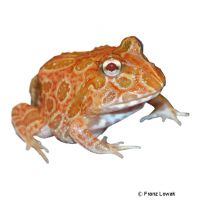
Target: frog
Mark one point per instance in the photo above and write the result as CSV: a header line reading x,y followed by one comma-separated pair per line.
x,y
77,95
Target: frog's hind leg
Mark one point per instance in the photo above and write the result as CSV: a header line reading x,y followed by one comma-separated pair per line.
x,y
28,123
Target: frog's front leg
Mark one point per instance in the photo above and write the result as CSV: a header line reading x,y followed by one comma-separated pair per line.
x,y
163,109
81,134
28,122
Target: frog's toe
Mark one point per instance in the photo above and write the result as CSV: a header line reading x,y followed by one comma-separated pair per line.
x,y
184,114
176,120
37,145
178,113
148,117
105,139
114,148
43,147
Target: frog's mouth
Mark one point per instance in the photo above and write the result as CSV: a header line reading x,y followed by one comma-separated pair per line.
x,y
129,104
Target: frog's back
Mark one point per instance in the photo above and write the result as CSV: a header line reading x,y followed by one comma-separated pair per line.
x,y
60,79
71,64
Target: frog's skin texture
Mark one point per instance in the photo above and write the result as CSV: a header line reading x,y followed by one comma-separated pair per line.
x,y
76,96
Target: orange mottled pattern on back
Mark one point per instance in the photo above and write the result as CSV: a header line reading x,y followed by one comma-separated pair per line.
x,y
67,80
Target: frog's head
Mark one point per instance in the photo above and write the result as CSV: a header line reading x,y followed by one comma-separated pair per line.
x,y
126,77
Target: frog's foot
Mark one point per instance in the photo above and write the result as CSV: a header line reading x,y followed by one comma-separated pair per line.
x,y
80,134
116,147
37,145
163,109
27,122
165,112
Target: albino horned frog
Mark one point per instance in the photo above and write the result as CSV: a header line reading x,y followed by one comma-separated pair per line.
x,y
77,96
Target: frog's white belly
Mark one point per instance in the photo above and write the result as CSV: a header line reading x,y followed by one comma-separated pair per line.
x,y
101,122
97,124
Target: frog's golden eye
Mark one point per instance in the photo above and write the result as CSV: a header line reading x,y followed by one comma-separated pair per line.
x,y
111,67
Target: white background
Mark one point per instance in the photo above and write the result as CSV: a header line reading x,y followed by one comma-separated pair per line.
x,y
31,32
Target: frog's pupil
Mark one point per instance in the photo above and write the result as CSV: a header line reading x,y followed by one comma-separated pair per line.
x,y
111,67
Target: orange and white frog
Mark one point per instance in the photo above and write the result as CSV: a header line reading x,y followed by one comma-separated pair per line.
x,y
77,96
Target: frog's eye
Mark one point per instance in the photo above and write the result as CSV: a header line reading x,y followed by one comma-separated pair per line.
x,y
111,67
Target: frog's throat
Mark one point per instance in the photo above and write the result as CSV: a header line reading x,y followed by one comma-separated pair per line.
x,y
128,104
